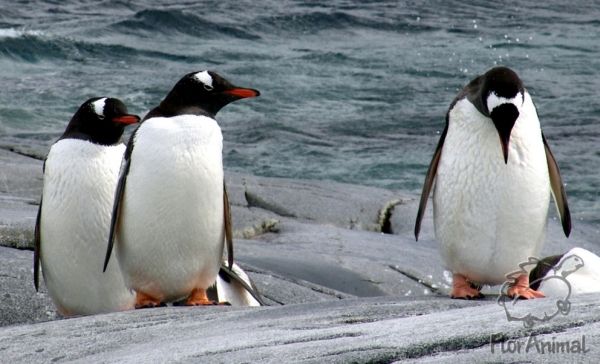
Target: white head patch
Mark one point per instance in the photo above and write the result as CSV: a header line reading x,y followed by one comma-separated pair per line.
x,y
493,101
98,106
204,77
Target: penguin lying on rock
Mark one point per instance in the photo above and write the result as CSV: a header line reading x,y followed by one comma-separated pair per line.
x,y
579,267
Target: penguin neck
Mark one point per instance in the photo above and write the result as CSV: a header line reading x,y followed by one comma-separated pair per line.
x,y
166,109
105,137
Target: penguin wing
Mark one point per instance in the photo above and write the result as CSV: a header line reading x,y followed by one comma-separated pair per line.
x,y
227,226
429,178
540,271
558,190
119,192
37,244
229,273
37,241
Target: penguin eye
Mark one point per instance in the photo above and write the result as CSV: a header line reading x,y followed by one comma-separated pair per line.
x,y
208,87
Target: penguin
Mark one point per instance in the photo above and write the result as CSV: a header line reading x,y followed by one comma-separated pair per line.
x,y
80,177
580,267
233,285
493,173
171,211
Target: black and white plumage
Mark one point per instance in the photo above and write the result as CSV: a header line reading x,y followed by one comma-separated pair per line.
x,y
80,177
234,286
171,212
493,174
580,267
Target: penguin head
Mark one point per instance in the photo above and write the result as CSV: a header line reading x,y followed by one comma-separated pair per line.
x,y
100,120
503,96
571,264
203,92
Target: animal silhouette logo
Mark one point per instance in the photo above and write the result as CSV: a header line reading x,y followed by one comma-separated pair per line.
x,y
529,312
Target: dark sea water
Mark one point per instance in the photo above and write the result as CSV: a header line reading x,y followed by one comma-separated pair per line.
x,y
352,91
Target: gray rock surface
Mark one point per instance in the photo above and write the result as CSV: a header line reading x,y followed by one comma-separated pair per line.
x,y
339,290
381,330
20,187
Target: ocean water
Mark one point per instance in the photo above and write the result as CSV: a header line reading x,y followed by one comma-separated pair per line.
x,y
352,91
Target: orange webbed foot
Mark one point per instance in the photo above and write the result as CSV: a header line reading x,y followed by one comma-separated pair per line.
x,y
143,300
520,289
198,297
463,289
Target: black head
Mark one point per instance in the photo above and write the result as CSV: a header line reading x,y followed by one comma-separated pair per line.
x,y
100,120
200,93
502,96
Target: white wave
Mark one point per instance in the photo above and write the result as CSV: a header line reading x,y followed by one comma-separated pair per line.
x,y
16,33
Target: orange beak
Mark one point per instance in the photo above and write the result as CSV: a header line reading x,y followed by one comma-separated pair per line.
x,y
242,93
126,119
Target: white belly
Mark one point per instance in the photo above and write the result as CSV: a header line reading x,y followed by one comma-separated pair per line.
x,y
490,216
170,237
79,186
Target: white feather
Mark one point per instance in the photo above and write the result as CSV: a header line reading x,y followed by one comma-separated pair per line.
x,y
98,106
204,77
493,101
490,216
79,185
170,237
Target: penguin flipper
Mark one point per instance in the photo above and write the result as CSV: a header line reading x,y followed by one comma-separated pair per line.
x,y
540,271
37,244
228,274
37,240
558,190
119,192
429,178
228,227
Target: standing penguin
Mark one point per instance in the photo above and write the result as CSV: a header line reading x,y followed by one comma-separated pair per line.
x,y
171,212
493,174
80,177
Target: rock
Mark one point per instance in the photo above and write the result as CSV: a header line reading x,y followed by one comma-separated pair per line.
x,y
19,303
355,262
343,205
383,329
339,290
20,188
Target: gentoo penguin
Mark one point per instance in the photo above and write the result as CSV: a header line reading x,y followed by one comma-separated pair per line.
x,y
583,276
80,177
493,174
234,286
171,212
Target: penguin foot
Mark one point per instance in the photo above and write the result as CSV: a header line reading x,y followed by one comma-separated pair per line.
x,y
143,300
463,289
520,289
198,297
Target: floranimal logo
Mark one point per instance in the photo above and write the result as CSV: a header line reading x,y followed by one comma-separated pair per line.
x,y
517,310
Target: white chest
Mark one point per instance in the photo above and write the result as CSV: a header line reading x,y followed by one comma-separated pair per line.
x,y
171,231
79,185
